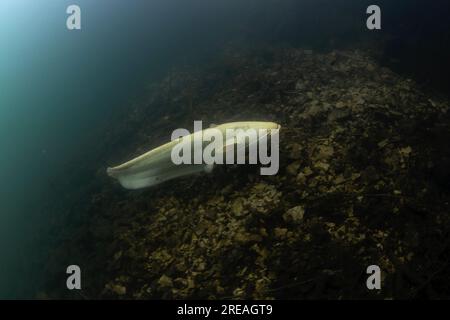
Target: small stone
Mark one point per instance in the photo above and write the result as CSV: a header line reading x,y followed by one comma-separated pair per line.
x,y
307,171
165,281
263,232
280,233
296,151
294,214
339,179
338,114
237,207
245,237
191,283
322,165
117,255
355,176
405,151
118,289
292,169
201,266
340,105
325,152
301,178
383,143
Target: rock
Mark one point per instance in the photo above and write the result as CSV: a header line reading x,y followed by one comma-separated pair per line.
x,y
262,198
302,176
406,151
324,152
238,207
307,171
292,169
294,214
370,67
117,255
119,289
296,151
280,233
383,143
340,105
338,114
299,85
165,282
322,166
339,179
245,237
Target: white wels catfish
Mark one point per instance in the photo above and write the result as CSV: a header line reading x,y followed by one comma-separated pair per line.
x,y
157,165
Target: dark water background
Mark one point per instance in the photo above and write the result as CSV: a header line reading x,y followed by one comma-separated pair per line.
x,y
59,88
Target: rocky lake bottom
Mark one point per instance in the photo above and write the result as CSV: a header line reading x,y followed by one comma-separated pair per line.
x,y
363,180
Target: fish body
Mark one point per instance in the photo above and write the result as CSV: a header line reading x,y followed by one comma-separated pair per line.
x,y
156,166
